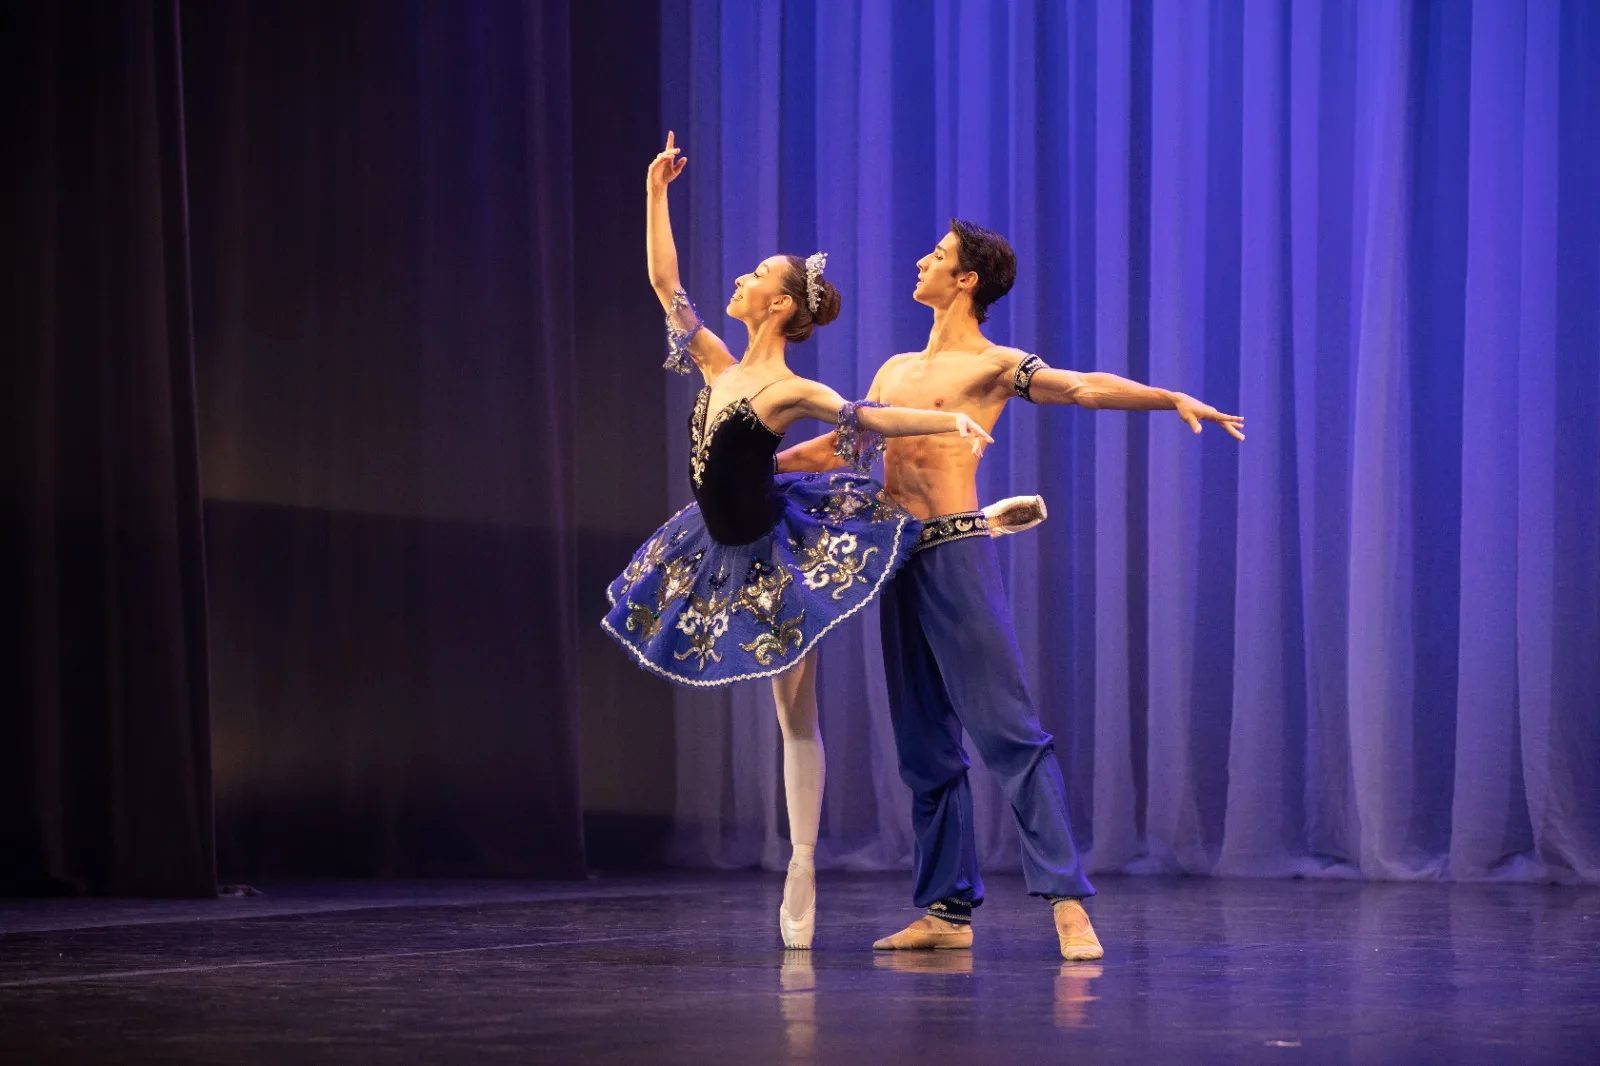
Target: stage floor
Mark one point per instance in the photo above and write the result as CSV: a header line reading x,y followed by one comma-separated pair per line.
x,y
688,969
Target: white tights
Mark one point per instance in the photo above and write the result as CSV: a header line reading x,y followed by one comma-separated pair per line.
x,y
804,771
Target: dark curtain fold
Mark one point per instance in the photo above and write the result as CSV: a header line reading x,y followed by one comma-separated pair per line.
x,y
105,771
377,625
628,780
382,240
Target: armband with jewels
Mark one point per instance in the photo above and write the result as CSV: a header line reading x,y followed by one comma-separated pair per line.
x,y
1022,380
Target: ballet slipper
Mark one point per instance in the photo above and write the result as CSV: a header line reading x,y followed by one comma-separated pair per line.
x,y
1073,929
928,933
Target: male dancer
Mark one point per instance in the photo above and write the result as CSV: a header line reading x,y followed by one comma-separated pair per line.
x,y
950,654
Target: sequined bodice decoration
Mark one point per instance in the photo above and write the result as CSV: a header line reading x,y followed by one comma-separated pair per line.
x,y
698,437
730,469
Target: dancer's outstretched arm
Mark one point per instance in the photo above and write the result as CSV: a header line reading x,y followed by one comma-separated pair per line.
x,y
687,337
1031,379
803,398
821,454
911,422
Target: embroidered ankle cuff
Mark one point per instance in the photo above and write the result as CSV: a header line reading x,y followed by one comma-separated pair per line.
x,y
951,910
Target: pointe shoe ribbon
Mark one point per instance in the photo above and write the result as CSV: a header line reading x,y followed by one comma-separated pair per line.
x,y
797,931
1076,933
927,933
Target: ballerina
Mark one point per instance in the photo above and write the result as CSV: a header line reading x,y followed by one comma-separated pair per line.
x,y
743,583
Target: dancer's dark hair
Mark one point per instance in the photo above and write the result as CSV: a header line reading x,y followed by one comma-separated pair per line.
x,y
989,255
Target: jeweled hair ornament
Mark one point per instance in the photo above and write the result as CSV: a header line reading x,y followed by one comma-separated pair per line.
x,y
815,265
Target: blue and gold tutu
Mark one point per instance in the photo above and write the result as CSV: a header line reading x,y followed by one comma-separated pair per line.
x,y
704,613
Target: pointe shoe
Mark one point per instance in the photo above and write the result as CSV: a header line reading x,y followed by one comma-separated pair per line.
x,y
1073,929
796,932
928,933
1015,514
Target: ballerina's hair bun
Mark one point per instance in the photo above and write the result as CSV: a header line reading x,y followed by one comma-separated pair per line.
x,y
828,300
816,299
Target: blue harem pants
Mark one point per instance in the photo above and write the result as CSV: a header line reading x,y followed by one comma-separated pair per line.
x,y
951,662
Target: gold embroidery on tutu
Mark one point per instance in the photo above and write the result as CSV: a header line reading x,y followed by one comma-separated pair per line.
x,y
852,501
705,622
646,561
677,579
762,597
833,560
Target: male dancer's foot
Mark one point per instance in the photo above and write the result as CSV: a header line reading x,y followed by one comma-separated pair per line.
x,y
1073,929
926,933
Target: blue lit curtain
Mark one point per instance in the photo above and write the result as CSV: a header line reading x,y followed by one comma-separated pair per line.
x,y
1366,642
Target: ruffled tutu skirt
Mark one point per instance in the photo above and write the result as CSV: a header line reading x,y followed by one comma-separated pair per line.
x,y
708,614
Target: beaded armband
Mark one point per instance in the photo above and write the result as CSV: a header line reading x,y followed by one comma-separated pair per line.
x,y
1022,380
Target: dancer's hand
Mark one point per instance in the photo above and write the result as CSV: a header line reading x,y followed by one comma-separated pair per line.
x,y
1194,412
970,429
1015,514
665,167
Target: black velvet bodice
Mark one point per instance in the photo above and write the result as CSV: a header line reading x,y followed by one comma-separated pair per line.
x,y
730,469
